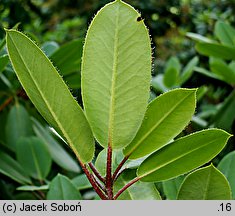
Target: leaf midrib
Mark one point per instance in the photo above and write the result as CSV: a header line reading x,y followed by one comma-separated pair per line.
x,y
150,131
44,98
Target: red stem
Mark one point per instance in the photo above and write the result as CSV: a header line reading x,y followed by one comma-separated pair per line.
x,y
116,173
96,172
109,180
125,187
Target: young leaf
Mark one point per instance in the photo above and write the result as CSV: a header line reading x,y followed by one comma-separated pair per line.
x,y
18,125
12,169
183,155
33,155
227,167
165,118
171,187
138,191
206,183
61,188
225,33
216,50
116,73
49,94
57,152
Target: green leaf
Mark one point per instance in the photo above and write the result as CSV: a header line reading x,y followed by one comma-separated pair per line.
x,y
68,57
188,70
220,68
208,73
18,125
183,155
61,188
199,38
12,169
3,62
171,187
216,50
50,95
81,182
165,118
33,155
32,188
116,73
57,152
227,167
73,80
225,33
138,191
172,71
206,183
50,47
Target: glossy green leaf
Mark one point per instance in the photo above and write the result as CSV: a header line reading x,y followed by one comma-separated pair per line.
x,y
165,118
81,182
61,188
116,73
138,191
171,187
172,71
49,94
188,70
227,167
207,183
12,169
183,155
3,62
220,68
68,57
33,155
18,125
216,50
57,152
225,33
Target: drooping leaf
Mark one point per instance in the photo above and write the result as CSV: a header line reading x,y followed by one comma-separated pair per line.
x,y
49,94
171,187
172,71
225,33
81,182
188,70
227,167
18,125
183,155
61,188
216,50
165,118
207,183
57,152
138,191
12,169
68,57
33,155
220,68
116,72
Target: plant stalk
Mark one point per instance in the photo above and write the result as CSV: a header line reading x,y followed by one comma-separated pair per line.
x,y
109,179
96,172
116,173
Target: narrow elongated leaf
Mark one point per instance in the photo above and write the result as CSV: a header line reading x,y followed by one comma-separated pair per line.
x,y
57,152
199,38
227,167
68,57
225,33
32,188
171,187
208,73
61,188
216,50
188,70
12,169
49,94
138,191
34,157
219,67
207,183
116,72
183,155
18,125
165,118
